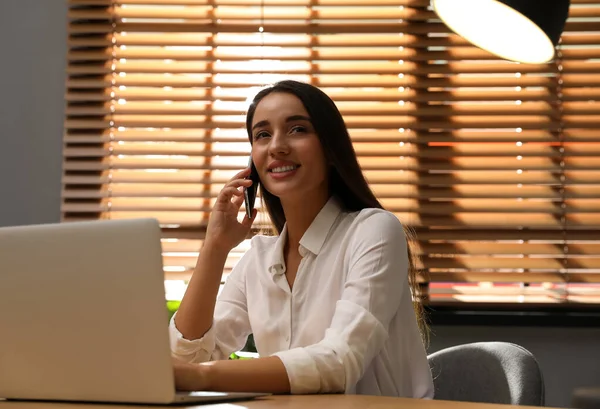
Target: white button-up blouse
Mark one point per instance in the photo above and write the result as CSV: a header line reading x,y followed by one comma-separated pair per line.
x,y
347,325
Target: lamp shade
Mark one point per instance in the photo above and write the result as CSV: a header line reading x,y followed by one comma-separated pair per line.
x,y
517,30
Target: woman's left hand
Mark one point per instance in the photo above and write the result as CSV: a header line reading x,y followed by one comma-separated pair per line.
x,y
189,377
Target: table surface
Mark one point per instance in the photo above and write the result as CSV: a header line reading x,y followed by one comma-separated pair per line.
x,y
285,402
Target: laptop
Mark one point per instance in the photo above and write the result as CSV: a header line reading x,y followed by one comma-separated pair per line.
x,y
83,315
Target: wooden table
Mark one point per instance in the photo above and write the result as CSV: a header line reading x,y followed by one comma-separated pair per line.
x,y
586,398
286,402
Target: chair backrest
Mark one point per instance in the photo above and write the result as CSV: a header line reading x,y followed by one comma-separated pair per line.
x,y
489,372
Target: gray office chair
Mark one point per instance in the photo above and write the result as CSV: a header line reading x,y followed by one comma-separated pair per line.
x,y
488,372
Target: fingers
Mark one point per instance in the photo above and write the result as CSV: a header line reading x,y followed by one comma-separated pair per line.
x,y
238,200
231,189
241,175
231,192
239,183
248,222
227,193
240,179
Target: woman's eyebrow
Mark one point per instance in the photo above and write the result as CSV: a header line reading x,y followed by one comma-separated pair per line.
x,y
297,118
291,118
260,124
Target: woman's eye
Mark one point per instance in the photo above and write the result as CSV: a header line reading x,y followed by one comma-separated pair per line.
x,y
260,135
298,128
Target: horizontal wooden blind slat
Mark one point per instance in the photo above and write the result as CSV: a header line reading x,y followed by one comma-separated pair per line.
x,y
293,40
351,108
358,135
383,191
339,3
352,84
193,203
367,164
363,149
315,28
232,53
374,178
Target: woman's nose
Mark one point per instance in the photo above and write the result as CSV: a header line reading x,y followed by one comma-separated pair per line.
x,y
279,144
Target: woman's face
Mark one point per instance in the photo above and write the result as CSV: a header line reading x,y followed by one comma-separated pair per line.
x,y
286,150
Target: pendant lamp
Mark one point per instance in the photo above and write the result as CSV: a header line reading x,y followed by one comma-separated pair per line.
x,y
525,31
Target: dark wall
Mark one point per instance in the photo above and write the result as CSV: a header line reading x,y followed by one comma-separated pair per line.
x,y
32,83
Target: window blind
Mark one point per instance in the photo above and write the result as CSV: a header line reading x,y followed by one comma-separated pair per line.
x,y
495,165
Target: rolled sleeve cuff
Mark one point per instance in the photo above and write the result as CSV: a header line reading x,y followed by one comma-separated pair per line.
x,y
197,350
302,371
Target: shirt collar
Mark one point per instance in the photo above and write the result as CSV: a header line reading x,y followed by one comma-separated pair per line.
x,y
314,237
312,240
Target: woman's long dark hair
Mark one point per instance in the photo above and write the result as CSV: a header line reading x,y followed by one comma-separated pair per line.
x,y
346,180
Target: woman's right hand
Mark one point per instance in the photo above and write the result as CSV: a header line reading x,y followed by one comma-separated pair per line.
x,y
224,231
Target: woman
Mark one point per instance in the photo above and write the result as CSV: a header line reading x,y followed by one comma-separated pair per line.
x,y
329,299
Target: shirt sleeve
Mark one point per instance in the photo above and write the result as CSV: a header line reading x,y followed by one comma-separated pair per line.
x,y
230,328
375,285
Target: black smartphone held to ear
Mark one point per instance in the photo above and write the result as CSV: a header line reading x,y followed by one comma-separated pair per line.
x,y
250,193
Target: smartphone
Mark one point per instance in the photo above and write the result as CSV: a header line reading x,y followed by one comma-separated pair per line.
x,y
250,193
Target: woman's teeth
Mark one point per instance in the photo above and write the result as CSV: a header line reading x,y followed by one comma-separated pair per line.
x,y
282,169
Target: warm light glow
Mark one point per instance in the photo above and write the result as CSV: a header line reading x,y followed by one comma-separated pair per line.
x,y
157,130
174,268
496,28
